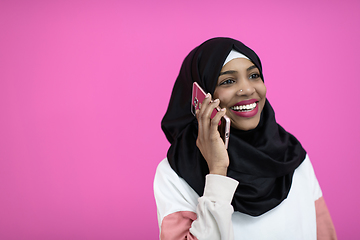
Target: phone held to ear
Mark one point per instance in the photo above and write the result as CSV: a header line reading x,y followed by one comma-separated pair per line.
x,y
198,96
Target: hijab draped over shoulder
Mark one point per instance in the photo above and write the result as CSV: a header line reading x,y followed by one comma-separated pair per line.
x,y
262,160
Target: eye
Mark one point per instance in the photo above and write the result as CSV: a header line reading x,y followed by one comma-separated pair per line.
x,y
227,81
254,76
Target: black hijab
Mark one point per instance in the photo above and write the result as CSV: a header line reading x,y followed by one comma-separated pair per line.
x,y
263,159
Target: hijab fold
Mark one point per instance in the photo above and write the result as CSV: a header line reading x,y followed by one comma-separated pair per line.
x,y
262,160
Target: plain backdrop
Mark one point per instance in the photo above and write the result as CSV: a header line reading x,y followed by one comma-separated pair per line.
x,y
85,84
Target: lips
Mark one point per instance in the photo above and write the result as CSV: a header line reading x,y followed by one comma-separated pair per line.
x,y
246,108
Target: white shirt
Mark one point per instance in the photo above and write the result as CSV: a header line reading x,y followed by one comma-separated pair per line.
x,y
294,218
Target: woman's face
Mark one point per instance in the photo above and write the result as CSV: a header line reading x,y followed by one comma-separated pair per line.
x,y
242,92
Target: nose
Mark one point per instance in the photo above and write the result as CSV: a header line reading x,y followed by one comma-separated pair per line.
x,y
245,88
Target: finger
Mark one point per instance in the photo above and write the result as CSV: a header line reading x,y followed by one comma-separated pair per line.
x,y
197,111
203,118
208,111
206,122
205,103
200,118
201,132
215,121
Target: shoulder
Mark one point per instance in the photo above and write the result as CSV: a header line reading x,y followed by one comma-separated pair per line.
x,y
306,168
164,168
166,177
172,193
305,175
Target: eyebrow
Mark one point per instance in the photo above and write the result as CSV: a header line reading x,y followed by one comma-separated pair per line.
x,y
228,72
251,67
233,71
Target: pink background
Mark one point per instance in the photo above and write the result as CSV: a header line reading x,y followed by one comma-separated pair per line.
x,y
84,85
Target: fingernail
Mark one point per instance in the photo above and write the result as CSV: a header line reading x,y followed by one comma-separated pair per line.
x,y
223,109
207,95
216,100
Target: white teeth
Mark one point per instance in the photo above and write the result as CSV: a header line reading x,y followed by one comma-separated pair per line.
x,y
244,107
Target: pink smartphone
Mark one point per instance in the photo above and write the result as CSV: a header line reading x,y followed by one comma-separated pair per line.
x,y
198,96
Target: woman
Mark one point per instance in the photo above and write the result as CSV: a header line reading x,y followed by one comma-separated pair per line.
x,y
262,187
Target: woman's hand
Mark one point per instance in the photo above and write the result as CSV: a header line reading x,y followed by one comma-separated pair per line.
x,y
209,141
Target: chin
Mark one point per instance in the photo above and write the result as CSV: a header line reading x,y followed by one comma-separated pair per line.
x,y
247,125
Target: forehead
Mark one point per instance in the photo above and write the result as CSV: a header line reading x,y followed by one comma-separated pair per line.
x,y
237,64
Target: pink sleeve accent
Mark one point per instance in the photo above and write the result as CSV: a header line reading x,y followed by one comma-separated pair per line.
x,y
176,226
325,227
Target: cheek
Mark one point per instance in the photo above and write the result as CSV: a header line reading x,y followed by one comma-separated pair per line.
x,y
223,96
265,90
261,89
263,98
217,94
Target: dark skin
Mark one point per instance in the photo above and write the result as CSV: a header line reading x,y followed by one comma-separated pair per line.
x,y
239,80
209,141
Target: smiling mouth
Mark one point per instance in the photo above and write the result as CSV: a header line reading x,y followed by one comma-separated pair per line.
x,y
244,108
